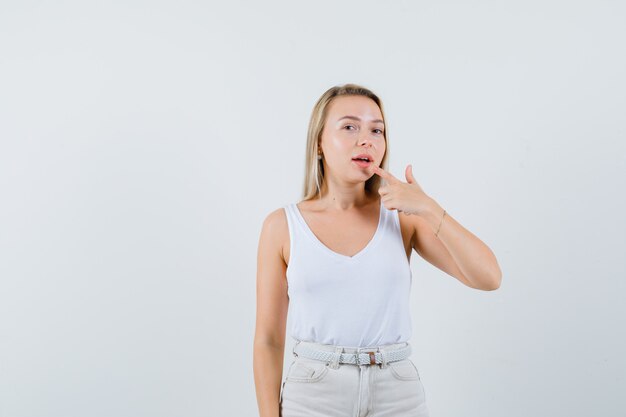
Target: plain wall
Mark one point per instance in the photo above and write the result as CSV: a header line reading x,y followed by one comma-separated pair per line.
x,y
142,144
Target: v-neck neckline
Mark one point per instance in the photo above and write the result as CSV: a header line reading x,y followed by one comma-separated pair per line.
x,y
319,243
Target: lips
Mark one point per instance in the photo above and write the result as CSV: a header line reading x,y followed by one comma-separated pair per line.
x,y
363,156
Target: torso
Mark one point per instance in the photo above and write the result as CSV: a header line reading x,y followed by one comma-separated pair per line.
x,y
348,233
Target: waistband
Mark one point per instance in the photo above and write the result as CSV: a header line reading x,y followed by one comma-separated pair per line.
x,y
335,354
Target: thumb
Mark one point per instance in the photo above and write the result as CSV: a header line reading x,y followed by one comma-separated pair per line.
x,y
409,174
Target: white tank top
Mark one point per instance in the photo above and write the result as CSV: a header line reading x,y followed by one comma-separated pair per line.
x,y
358,301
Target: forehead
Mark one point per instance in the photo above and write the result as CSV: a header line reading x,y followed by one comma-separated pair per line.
x,y
360,106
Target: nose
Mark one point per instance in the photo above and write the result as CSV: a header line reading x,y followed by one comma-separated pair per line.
x,y
365,140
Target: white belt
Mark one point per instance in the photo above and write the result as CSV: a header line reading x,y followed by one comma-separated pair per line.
x,y
361,358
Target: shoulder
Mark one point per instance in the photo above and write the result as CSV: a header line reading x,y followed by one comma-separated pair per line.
x,y
275,222
275,218
275,231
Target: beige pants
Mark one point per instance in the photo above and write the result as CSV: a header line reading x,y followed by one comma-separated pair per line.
x,y
314,388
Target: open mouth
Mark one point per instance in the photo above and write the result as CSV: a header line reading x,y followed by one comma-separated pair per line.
x,y
362,162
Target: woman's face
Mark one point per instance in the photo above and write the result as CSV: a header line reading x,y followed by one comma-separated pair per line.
x,y
353,126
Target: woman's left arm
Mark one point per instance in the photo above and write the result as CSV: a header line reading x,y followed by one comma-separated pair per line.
x,y
473,257
476,263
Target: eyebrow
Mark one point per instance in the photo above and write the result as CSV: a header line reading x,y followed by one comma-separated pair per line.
x,y
356,118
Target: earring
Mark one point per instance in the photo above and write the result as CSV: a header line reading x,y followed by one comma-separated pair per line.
x,y
319,156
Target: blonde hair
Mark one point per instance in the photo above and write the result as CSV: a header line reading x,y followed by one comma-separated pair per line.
x,y
314,179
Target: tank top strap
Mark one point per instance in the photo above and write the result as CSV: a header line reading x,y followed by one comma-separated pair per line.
x,y
295,228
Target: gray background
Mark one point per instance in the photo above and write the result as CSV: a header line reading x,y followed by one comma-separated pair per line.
x,y
143,143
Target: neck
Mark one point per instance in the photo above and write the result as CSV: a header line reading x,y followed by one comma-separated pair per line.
x,y
346,201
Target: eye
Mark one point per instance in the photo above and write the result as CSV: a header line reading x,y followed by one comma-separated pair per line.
x,y
348,126
379,131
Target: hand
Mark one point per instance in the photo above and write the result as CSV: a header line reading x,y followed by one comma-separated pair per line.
x,y
407,197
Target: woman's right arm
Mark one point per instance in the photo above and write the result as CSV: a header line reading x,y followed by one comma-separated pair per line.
x,y
271,314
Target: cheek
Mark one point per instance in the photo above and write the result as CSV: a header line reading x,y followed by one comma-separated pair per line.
x,y
342,148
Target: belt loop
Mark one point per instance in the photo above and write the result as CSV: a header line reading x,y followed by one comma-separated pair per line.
x,y
383,365
334,362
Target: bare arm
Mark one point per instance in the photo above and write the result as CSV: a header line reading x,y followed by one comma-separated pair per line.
x,y
456,250
271,315
453,248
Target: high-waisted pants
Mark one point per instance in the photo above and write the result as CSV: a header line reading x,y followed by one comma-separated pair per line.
x,y
316,388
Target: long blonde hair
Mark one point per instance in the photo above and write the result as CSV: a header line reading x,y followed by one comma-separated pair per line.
x,y
314,179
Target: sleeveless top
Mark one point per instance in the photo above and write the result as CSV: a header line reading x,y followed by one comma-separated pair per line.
x,y
351,301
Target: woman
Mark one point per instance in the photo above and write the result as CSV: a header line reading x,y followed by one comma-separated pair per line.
x,y
339,261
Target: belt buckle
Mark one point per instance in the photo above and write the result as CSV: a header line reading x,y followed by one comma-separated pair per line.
x,y
372,356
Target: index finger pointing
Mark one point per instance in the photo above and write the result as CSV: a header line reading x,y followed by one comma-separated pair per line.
x,y
384,174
